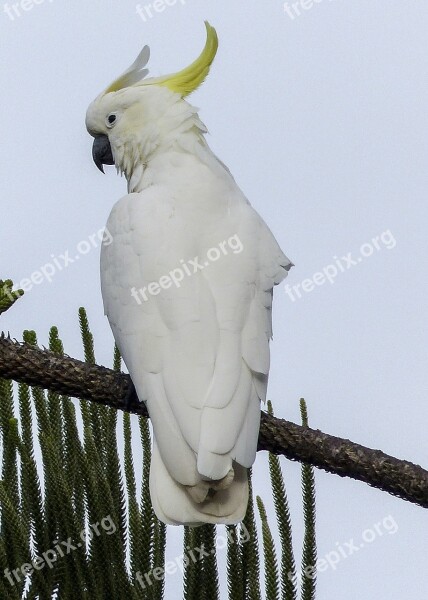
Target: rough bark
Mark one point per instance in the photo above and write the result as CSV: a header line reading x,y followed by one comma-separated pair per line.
x,y
71,377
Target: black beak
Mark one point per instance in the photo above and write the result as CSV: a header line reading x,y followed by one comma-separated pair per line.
x,y
101,152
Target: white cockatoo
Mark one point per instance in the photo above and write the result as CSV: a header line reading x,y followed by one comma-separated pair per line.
x,y
187,287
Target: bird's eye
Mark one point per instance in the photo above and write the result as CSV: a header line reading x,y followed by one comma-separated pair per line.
x,y
111,120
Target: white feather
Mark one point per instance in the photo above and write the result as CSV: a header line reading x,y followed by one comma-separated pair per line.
x,y
198,349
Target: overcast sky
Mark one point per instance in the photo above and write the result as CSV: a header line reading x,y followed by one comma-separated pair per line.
x,y
319,109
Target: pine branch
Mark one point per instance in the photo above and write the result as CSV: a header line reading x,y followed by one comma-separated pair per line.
x,y
190,587
309,557
28,364
250,549
271,563
282,510
8,296
210,570
234,563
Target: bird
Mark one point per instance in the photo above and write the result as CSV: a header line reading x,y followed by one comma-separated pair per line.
x,y
187,284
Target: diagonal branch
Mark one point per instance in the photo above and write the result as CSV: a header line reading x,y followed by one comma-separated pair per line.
x,y
71,377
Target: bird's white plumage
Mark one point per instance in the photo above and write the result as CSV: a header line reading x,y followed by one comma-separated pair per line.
x,y
197,349
198,353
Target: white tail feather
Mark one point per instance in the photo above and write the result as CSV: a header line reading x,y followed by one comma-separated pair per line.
x,y
176,504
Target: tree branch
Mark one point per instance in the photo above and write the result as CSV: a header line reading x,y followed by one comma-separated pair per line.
x,y
68,376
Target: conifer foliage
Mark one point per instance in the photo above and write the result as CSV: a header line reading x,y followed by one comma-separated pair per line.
x,y
74,523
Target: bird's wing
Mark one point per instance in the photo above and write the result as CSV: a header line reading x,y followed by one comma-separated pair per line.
x,y
195,334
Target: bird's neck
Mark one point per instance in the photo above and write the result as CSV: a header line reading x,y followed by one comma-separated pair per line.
x,y
182,160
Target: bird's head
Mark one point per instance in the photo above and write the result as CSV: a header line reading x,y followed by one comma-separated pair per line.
x,y
135,114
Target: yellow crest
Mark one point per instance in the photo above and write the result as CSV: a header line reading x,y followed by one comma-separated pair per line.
x,y
189,79
184,82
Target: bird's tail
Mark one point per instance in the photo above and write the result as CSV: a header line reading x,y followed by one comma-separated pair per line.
x,y
214,502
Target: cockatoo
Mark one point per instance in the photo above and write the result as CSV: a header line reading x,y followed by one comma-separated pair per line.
x,y
187,288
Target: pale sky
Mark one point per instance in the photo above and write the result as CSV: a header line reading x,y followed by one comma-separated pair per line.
x,y
320,112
